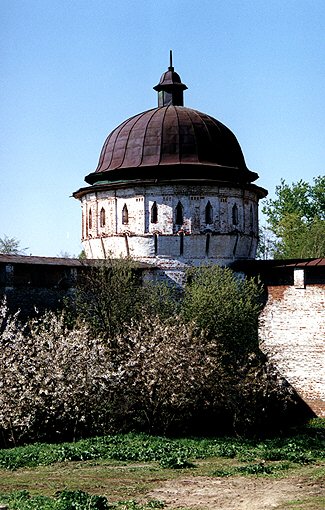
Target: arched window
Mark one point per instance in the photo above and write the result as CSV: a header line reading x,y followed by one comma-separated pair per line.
x,y
208,213
90,219
102,217
251,218
154,213
125,215
235,215
179,220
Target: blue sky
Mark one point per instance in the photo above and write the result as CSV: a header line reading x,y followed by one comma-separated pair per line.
x,y
72,70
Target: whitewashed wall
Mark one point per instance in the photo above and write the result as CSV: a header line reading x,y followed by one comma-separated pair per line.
x,y
292,331
193,242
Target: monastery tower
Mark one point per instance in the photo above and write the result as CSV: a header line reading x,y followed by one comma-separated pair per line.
x,y
171,189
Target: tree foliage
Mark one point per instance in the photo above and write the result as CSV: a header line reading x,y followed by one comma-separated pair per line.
x,y
107,296
224,306
11,246
111,295
297,218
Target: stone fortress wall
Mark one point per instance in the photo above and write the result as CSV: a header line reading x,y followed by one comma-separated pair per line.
x,y
292,331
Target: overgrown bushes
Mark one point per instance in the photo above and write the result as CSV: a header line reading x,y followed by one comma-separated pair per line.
x,y
129,357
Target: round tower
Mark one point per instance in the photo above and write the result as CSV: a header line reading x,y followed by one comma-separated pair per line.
x,y
171,189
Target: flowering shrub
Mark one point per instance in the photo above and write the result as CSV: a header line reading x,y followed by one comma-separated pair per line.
x,y
52,379
158,372
167,374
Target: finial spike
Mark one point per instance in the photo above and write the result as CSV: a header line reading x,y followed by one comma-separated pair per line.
x,y
170,87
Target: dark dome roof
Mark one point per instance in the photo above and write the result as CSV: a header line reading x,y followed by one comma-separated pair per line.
x,y
171,142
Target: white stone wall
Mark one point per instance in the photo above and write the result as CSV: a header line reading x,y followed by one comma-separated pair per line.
x,y
292,331
195,241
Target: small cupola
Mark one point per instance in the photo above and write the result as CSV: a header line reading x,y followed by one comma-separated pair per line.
x,y
170,87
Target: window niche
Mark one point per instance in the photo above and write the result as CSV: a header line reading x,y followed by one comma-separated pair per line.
x,y
155,239
90,219
251,218
208,213
207,245
102,217
235,215
125,215
179,216
154,213
181,243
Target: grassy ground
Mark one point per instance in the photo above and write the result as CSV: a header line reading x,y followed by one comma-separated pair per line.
x,y
126,470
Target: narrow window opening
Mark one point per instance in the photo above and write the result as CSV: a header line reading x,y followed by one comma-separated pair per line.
x,y
181,244
154,213
90,219
179,214
235,215
208,213
251,218
155,237
125,215
102,219
207,245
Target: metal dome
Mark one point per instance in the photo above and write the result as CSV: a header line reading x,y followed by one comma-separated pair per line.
x,y
171,142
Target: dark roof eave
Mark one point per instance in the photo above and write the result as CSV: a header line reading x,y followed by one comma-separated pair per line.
x,y
189,170
258,265
103,186
59,261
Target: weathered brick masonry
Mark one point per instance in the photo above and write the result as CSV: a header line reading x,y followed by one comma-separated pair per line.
x,y
292,324
292,331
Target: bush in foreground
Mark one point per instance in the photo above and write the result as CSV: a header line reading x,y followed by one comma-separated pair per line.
x,y
195,372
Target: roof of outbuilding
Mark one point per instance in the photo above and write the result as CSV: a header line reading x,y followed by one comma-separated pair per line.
x,y
56,261
264,265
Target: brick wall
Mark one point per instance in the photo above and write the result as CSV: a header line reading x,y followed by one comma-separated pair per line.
x,y
292,332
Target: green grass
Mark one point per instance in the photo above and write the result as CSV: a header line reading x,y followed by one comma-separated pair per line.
x,y
303,447
312,503
118,471
72,500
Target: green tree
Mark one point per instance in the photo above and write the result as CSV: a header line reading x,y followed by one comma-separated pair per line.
x,y
11,246
266,243
107,296
111,295
297,218
224,306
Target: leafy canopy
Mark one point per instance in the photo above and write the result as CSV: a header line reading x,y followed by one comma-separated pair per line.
x,y
111,296
10,246
223,306
297,218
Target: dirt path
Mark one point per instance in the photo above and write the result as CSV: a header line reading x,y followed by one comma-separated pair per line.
x,y
236,493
